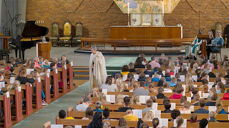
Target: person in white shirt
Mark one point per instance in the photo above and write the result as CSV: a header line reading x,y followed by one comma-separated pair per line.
x,y
109,85
186,109
83,106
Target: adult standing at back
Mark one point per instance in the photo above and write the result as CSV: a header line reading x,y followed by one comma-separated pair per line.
x,y
154,63
97,67
217,43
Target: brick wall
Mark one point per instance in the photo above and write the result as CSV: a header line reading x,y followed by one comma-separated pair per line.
x,y
98,15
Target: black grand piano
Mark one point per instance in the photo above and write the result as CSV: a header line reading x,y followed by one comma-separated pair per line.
x,y
31,34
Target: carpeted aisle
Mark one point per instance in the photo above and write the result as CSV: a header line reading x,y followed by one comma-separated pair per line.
x,y
51,111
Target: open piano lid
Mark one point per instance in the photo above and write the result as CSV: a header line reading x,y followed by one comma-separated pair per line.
x,y
32,30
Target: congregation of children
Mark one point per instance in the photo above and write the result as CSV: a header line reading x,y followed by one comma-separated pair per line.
x,y
162,92
16,73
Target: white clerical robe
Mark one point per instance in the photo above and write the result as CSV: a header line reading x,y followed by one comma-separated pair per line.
x,y
97,67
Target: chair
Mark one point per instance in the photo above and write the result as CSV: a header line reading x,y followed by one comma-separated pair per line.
x,y
55,34
66,40
79,33
218,52
4,53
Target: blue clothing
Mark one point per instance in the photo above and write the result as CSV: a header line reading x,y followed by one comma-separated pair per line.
x,y
210,104
201,110
218,91
155,79
150,73
42,93
222,111
212,120
168,79
172,84
45,66
142,79
98,110
217,42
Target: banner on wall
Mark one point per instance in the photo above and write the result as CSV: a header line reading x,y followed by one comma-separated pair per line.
x,y
147,6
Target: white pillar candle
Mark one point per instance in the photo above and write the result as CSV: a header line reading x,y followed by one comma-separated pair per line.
x,y
128,4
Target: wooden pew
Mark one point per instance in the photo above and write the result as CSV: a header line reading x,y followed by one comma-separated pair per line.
x,y
113,107
133,124
70,72
47,88
118,115
153,94
18,104
64,79
55,84
38,94
6,109
28,95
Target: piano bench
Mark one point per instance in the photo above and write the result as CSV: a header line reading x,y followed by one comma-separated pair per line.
x,y
4,53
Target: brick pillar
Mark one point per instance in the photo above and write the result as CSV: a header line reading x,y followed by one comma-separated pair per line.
x,y
18,104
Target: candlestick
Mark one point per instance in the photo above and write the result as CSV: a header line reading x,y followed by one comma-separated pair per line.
x,y
128,4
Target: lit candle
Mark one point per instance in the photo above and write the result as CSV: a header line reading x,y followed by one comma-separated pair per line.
x,y
128,4
163,7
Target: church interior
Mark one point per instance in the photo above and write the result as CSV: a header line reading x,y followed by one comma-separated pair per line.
x,y
114,63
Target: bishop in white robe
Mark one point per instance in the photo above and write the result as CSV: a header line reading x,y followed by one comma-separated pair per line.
x,y
97,67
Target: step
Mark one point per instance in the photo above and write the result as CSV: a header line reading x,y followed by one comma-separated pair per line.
x,y
82,78
114,68
78,70
81,73
76,75
80,67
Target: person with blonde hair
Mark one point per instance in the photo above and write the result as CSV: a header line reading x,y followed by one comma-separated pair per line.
x,y
130,116
220,88
122,123
212,115
220,109
196,99
148,116
102,98
183,99
167,88
212,93
186,108
149,103
135,100
106,124
109,85
119,99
